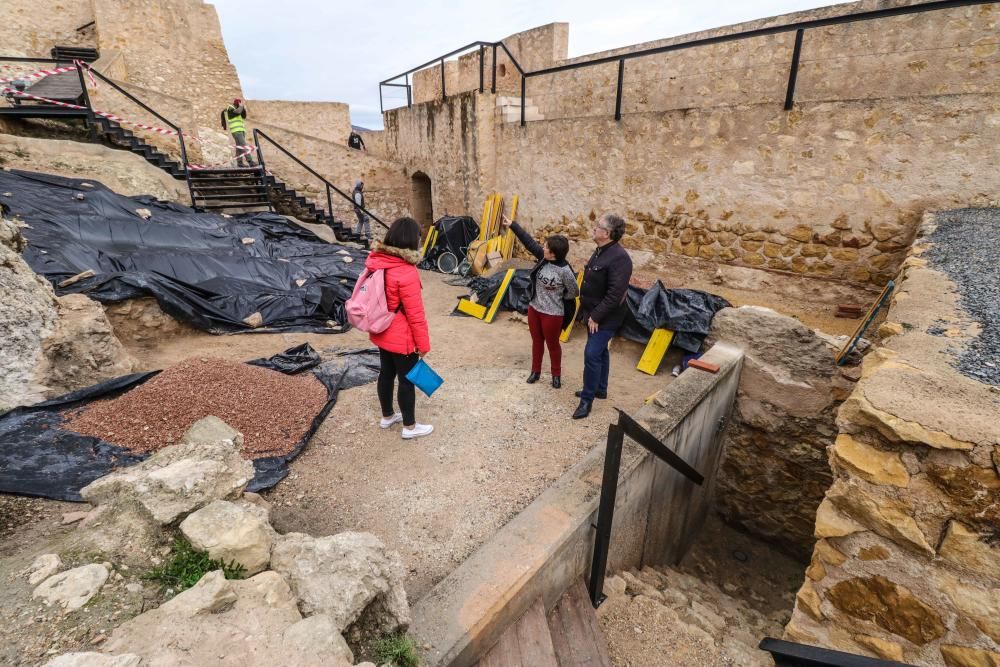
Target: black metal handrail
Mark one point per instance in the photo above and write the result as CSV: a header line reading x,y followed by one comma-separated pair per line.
x,y
791,654
798,28
609,490
330,187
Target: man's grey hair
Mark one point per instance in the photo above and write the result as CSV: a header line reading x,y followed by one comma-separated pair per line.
x,y
615,225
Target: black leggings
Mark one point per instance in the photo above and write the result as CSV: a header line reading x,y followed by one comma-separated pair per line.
x,y
394,365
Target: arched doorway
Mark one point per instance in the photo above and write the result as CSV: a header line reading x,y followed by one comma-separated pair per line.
x,y
420,199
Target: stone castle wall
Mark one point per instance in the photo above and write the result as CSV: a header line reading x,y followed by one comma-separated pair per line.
x,y
907,562
888,123
329,121
31,28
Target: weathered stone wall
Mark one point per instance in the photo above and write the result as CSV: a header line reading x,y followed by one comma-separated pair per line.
x,y
329,121
907,562
453,143
31,28
707,164
775,471
387,187
534,49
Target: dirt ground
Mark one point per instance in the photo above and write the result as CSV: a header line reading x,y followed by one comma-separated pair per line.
x,y
498,443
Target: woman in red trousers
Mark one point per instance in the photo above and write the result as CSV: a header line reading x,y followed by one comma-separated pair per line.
x,y
407,339
553,291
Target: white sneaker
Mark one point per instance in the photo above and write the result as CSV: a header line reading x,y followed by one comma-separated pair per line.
x,y
386,422
417,431
676,371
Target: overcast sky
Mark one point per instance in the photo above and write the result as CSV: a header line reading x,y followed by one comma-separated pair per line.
x,y
336,51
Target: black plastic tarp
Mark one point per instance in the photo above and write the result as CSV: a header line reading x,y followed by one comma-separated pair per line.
x,y
686,312
455,234
206,269
38,458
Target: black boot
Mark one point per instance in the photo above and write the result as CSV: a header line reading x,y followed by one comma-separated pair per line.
x,y
533,378
598,394
556,382
583,409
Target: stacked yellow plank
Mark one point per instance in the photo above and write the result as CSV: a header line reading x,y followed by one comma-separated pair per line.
x,y
494,245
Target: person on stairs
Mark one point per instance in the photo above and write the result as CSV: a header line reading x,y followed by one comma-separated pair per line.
x,y
602,307
363,228
234,119
407,339
356,142
552,299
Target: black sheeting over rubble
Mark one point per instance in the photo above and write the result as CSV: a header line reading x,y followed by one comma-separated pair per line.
x,y
38,458
686,312
195,264
455,234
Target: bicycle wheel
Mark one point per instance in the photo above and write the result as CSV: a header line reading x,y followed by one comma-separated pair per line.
x,y
447,262
463,268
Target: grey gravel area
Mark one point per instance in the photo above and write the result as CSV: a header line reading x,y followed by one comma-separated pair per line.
x,y
966,246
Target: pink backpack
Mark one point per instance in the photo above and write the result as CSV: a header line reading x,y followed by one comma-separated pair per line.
x,y
368,308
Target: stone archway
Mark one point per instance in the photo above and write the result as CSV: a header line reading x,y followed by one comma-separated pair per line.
x,y
421,205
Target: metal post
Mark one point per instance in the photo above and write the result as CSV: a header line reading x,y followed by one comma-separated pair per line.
x,y
409,96
329,203
794,71
605,512
263,167
443,94
618,95
380,109
184,165
524,81
91,127
493,86
482,51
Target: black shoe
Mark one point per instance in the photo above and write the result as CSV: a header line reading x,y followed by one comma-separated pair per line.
x,y
583,409
556,382
533,378
597,394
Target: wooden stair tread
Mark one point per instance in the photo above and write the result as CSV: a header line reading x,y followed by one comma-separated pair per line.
x,y
576,632
526,643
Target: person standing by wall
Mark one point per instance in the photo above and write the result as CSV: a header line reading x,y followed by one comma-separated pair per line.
x,y
602,307
234,121
363,228
356,142
552,298
407,339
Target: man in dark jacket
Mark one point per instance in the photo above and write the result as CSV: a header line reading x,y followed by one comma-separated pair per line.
x,y
356,142
602,307
363,228
234,121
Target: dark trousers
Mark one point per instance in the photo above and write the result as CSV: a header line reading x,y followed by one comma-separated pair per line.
x,y
397,366
545,331
596,362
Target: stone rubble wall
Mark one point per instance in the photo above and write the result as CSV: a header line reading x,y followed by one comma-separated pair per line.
x,y
907,562
30,28
327,121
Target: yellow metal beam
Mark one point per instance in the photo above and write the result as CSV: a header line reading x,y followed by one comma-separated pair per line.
x,y
655,350
568,331
498,299
476,310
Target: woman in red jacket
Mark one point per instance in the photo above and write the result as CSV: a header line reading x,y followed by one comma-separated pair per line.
x,y
407,339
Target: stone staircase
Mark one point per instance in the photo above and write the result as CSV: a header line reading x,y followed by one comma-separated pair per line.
x,y
656,612
510,109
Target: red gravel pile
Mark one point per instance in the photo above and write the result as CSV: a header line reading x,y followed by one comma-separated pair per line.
x,y
272,410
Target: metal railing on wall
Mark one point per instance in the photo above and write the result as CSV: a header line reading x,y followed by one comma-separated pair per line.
x,y
799,28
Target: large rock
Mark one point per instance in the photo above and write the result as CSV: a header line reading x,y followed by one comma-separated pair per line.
x,y
231,532
775,466
351,577
28,315
886,516
869,463
179,479
83,350
251,622
977,554
73,588
891,606
94,660
43,567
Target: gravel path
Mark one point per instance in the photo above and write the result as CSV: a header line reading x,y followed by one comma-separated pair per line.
x,y
966,246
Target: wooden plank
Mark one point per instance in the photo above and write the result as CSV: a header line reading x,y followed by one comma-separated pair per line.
x,y
469,308
498,299
655,350
598,646
534,638
558,635
505,653
860,330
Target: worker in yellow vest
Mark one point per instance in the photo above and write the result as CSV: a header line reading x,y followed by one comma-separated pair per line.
x,y
234,121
